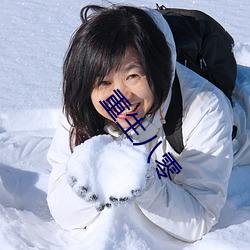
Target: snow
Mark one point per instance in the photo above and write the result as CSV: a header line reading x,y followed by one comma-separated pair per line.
x,y
90,176
34,37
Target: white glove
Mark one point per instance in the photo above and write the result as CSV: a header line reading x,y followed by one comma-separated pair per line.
x,y
107,171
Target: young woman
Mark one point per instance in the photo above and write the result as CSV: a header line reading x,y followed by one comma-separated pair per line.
x,y
132,50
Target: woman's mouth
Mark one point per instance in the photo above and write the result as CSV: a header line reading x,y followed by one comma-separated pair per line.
x,y
133,109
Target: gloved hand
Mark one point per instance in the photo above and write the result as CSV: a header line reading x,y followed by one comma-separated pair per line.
x,y
107,171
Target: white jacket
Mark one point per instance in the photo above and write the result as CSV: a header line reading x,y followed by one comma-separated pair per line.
x,y
186,207
189,206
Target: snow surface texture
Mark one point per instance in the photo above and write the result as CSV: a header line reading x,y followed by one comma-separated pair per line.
x,y
34,38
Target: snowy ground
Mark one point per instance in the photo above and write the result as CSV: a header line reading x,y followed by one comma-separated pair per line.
x,y
34,38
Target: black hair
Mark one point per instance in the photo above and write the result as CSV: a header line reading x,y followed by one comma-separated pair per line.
x,y
97,47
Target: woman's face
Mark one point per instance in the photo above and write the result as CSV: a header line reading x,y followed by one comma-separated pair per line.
x,y
131,81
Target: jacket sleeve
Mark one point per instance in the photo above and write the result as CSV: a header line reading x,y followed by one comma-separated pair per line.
x,y
68,210
189,206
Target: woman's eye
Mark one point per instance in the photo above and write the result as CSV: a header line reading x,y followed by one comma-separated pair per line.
x,y
104,83
133,76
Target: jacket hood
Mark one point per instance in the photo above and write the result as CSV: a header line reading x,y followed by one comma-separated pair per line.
x,y
152,123
165,29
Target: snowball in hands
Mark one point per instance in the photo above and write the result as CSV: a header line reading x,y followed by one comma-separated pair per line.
x,y
107,171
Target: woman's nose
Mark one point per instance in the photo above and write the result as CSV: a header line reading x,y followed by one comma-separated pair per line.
x,y
125,90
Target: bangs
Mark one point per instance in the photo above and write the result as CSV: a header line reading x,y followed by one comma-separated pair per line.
x,y
106,47
107,59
